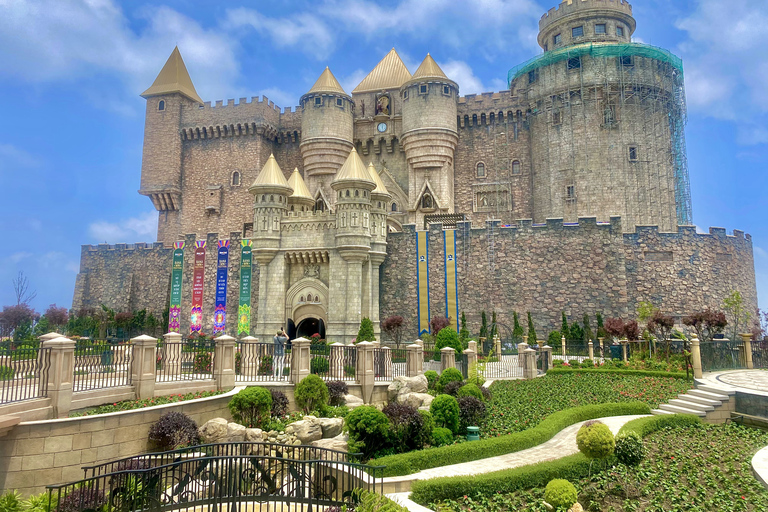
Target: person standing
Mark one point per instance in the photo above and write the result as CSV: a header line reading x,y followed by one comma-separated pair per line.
x,y
278,357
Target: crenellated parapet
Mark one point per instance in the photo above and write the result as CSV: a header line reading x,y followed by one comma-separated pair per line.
x,y
572,7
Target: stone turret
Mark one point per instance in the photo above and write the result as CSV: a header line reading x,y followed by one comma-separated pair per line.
x,y
326,132
380,198
583,21
352,187
270,202
300,200
170,95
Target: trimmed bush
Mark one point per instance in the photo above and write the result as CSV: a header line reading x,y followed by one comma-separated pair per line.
x,y
368,430
487,396
432,377
448,337
319,365
587,363
630,450
448,375
173,430
561,494
311,394
445,411
407,463
82,498
650,424
595,440
251,407
336,391
470,390
618,371
279,403
471,412
428,424
441,436
406,432
453,387
365,333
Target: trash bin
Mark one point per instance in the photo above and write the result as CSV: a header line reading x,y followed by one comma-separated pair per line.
x,y
616,352
473,433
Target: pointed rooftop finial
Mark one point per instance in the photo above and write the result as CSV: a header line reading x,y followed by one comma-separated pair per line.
x,y
271,179
429,69
173,78
389,73
327,83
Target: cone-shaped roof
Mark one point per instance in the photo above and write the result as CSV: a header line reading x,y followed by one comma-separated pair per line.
x,y
271,179
389,73
380,188
429,69
354,170
327,83
173,78
300,190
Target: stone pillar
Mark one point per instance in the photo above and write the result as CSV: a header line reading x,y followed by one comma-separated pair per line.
x,y
224,362
249,357
525,339
144,366
624,344
412,359
171,353
365,371
48,337
420,358
521,348
529,369
336,363
602,352
482,343
386,363
300,357
447,358
696,357
591,350
496,347
471,362
747,339
546,351
472,345
61,374
562,342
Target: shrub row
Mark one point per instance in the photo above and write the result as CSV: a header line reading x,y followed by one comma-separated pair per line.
x,y
412,462
572,467
368,501
639,373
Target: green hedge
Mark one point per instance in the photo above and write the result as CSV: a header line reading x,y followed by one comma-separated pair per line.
x,y
638,373
571,467
371,502
412,462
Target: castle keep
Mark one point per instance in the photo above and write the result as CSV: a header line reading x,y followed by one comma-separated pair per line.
x,y
544,190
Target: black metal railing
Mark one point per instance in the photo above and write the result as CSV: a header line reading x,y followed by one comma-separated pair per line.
x,y
576,348
102,365
185,360
333,362
399,361
261,362
24,373
382,364
214,483
760,354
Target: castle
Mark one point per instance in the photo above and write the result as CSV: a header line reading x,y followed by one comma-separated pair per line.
x,y
403,197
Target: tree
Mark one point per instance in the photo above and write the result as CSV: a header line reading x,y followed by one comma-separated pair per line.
x,y
439,323
494,328
575,333
483,325
394,326
645,311
706,323
448,337
57,317
587,329
660,325
738,315
632,330
19,316
531,331
21,289
366,331
517,330
464,332
614,327
564,329
601,333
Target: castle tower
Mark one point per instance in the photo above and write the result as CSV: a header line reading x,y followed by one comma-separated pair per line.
x,y
300,200
326,134
584,21
429,138
380,198
171,94
270,202
352,189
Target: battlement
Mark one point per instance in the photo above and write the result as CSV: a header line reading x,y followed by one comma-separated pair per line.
x,y
568,7
310,215
243,111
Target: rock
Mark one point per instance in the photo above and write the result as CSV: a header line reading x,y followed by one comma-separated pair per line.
x,y
331,426
214,431
352,401
402,385
253,435
416,400
576,508
235,433
338,443
307,430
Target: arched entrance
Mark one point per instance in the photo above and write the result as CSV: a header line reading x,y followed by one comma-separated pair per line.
x,y
309,326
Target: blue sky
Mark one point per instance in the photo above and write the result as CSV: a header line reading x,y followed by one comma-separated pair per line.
x,y
72,122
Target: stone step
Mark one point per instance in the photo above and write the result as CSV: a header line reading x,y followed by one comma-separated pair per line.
x,y
700,399
691,405
708,395
682,410
716,390
659,412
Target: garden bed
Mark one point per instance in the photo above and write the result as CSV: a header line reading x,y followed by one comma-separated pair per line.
x,y
127,405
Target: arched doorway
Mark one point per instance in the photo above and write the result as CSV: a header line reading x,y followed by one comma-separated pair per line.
x,y
309,326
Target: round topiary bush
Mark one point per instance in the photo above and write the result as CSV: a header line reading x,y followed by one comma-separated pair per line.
x,y
471,412
453,387
279,403
432,377
448,337
336,391
448,375
630,450
445,411
595,440
561,494
406,427
311,394
251,407
470,390
173,430
368,431
441,436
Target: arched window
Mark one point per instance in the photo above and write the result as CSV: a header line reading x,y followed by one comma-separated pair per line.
x,y
263,198
291,207
394,207
319,205
426,201
347,193
481,170
302,299
236,179
161,105
357,193
271,199
317,299
516,167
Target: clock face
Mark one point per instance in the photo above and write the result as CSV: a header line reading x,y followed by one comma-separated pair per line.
x,y
382,127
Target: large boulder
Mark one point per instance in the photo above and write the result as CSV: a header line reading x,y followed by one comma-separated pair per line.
x,y
253,435
214,431
352,401
416,400
235,433
403,385
331,426
338,443
306,430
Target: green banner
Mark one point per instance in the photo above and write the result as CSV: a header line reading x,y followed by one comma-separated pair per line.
x,y
244,309
177,272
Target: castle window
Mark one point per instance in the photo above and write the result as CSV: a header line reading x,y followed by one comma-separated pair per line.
x,y
236,179
570,193
339,102
627,61
319,205
426,202
365,193
516,167
394,207
620,31
474,119
291,207
574,63
405,94
481,170
556,40
600,28
379,204
546,47
271,199
423,89
357,193
347,193
633,153
302,299
161,105
318,101
557,118
263,199
577,31
446,90
533,75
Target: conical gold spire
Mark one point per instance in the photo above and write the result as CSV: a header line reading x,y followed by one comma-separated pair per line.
x,y
380,188
327,83
429,69
271,179
300,191
389,73
173,78
354,170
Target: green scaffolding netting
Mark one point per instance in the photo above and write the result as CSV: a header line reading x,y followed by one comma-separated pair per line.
x,y
596,50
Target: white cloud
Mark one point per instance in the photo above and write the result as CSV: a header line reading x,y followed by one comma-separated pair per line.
x,y
280,97
761,253
18,257
134,229
57,260
461,73
12,157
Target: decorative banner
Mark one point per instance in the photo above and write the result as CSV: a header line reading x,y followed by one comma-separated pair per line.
x,y
220,313
451,283
177,273
198,278
244,309
422,280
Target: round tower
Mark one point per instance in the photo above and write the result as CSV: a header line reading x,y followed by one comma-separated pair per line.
x,y
584,21
430,137
326,131
270,202
352,187
380,198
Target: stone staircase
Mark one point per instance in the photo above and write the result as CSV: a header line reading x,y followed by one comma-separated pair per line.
x,y
711,403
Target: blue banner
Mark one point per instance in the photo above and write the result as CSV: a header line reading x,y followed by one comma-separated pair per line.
x,y
220,314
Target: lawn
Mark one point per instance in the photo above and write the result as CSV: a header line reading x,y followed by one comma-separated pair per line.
x,y
521,404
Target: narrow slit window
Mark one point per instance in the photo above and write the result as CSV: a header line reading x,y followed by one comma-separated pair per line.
x,y
633,153
161,105
481,170
516,167
446,90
